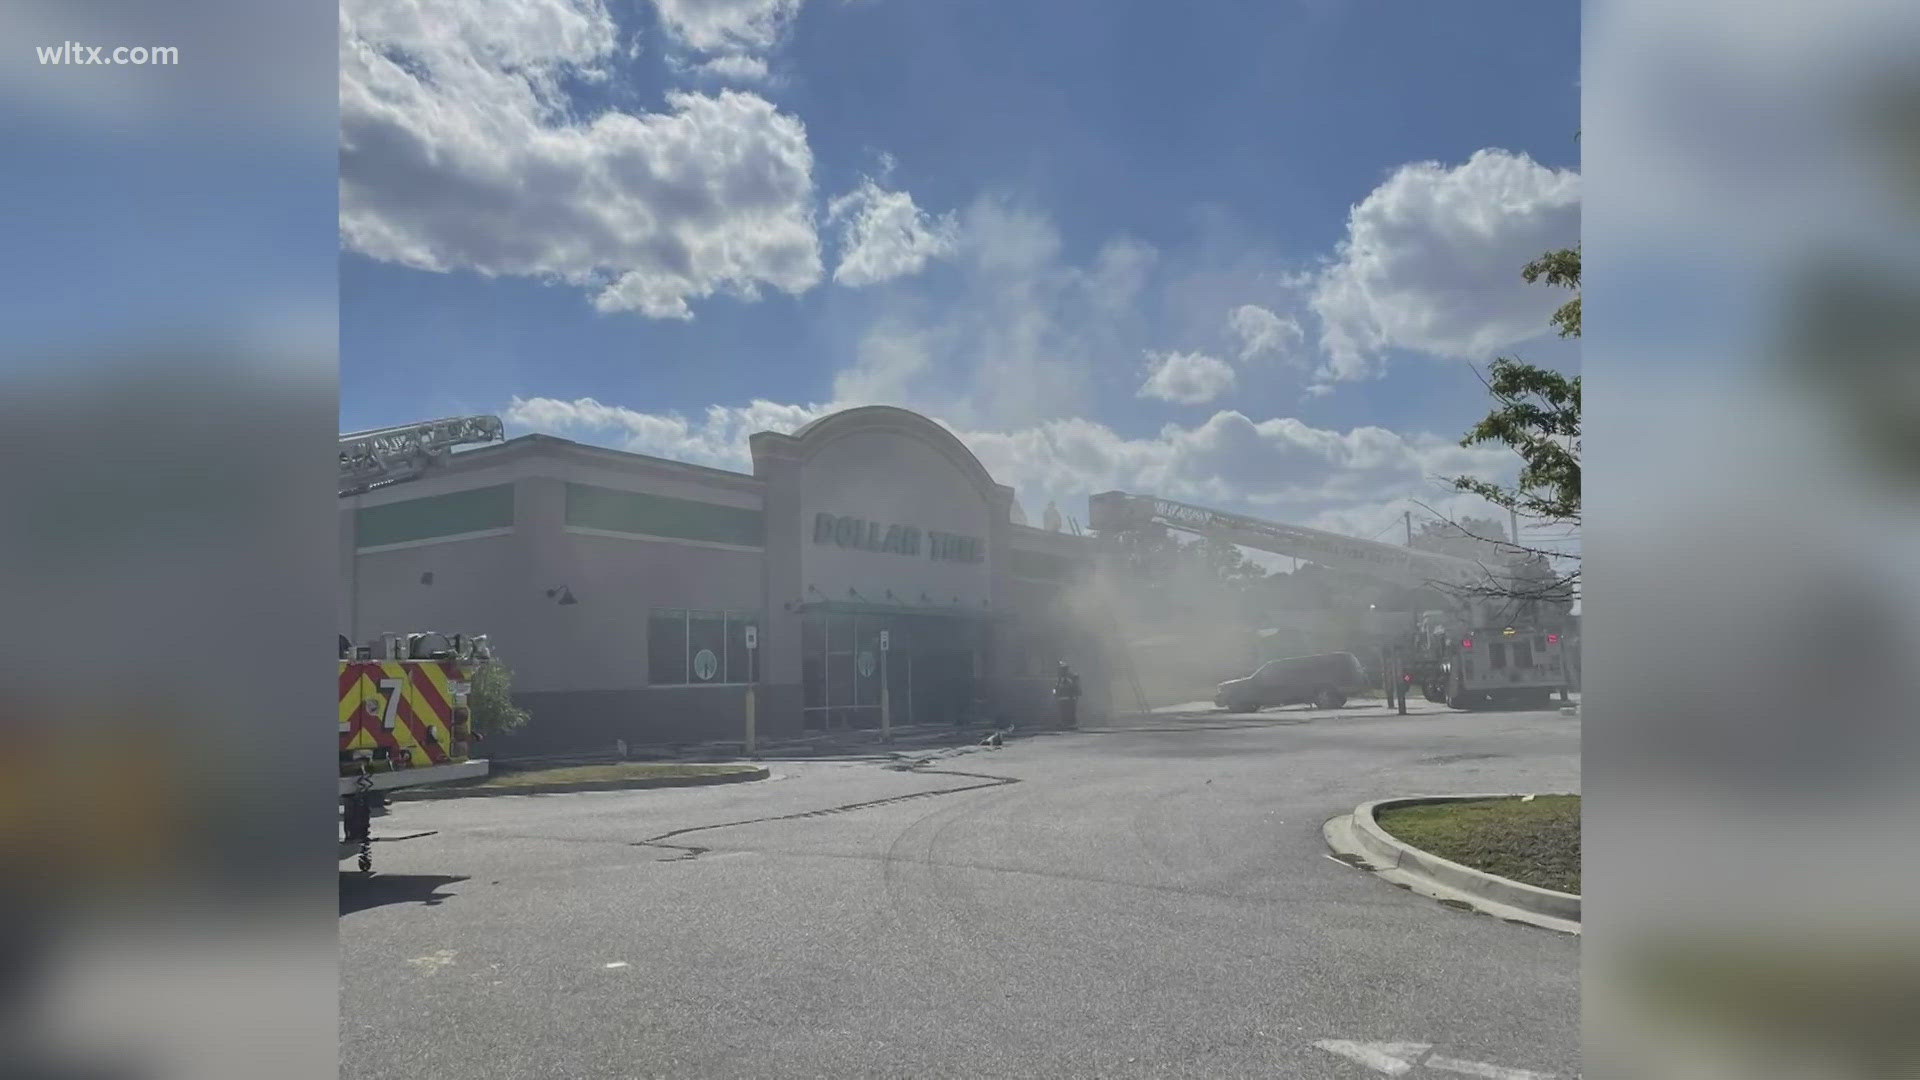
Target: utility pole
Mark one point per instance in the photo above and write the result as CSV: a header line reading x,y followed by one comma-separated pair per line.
x,y
1408,514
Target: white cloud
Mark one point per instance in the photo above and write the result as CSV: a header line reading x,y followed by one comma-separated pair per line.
x,y
727,26
1119,273
734,67
1262,333
1185,378
718,439
1431,262
726,40
1280,468
459,151
885,236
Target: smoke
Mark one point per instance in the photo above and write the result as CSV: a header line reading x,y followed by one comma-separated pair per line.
x,y
1166,618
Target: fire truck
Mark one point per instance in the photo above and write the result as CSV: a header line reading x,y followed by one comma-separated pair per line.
x,y
403,705
1484,650
1465,662
404,722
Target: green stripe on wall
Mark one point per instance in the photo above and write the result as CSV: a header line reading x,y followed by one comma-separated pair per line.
x,y
459,512
657,515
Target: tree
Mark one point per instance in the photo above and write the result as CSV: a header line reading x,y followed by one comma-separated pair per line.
x,y
490,700
1473,538
1562,270
1537,414
1225,561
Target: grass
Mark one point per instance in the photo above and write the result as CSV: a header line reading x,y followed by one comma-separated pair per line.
x,y
624,770
1535,842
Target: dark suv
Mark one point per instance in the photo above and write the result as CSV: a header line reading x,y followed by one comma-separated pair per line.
x,y
1324,681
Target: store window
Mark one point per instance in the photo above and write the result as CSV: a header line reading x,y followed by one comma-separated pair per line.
x,y
667,648
699,648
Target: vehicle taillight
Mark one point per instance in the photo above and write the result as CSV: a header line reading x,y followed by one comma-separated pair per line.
x,y
1553,639
1466,643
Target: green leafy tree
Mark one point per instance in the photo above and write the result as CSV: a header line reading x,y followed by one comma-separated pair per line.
x,y
491,701
1561,269
1536,413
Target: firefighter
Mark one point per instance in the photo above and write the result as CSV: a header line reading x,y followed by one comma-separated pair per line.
x,y
1066,692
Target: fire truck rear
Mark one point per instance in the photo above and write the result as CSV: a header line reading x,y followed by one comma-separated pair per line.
x,y
404,722
1465,666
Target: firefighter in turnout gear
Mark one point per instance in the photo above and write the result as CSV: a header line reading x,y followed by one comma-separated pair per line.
x,y
1066,693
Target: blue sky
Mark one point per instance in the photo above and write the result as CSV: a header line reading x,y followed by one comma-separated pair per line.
x,y
1234,252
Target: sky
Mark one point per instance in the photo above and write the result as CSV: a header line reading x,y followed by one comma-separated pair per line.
x,y
1241,254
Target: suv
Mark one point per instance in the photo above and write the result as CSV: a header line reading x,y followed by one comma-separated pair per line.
x,y
1323,681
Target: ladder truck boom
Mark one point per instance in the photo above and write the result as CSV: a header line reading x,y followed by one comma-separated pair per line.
x,y
1517,660
376,458
1118,511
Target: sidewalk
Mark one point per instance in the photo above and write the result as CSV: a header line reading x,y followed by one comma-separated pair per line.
x,y
845,743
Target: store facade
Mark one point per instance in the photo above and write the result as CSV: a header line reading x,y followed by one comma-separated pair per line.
x,y
869,549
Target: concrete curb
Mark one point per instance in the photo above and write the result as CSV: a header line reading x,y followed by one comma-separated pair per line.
x,y
636,784
1360,837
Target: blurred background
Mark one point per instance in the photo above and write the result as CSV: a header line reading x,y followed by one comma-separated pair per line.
x,y
167,384
1753,555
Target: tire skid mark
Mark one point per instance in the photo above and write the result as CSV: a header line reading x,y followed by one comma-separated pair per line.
x,y
689,852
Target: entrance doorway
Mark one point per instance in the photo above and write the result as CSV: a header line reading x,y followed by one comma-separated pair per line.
x,y
931,668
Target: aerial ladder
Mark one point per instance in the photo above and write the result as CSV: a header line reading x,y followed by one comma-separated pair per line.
x,y
1515,662
383,456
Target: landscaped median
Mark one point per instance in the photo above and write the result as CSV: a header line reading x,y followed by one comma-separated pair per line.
x,y
1514,856
615,776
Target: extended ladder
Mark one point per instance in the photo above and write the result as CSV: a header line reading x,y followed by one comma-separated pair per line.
x,y
373,459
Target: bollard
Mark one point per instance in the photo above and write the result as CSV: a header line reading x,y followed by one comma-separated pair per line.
x,y
750,704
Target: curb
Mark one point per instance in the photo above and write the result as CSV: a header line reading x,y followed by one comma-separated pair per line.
x,y
636,784
858,740
1360,835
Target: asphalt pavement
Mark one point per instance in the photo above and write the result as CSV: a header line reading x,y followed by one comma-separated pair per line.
x,y
1148,898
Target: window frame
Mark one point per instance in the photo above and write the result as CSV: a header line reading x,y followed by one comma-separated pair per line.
x,y
729,619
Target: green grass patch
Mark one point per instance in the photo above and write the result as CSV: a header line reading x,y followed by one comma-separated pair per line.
x,y
624,770
1536,842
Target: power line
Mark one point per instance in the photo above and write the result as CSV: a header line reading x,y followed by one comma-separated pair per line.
x,y
1390,525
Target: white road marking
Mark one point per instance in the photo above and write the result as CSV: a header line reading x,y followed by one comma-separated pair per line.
x,y
1481,1068
1399,1058
1392,1058
617,964
431,964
